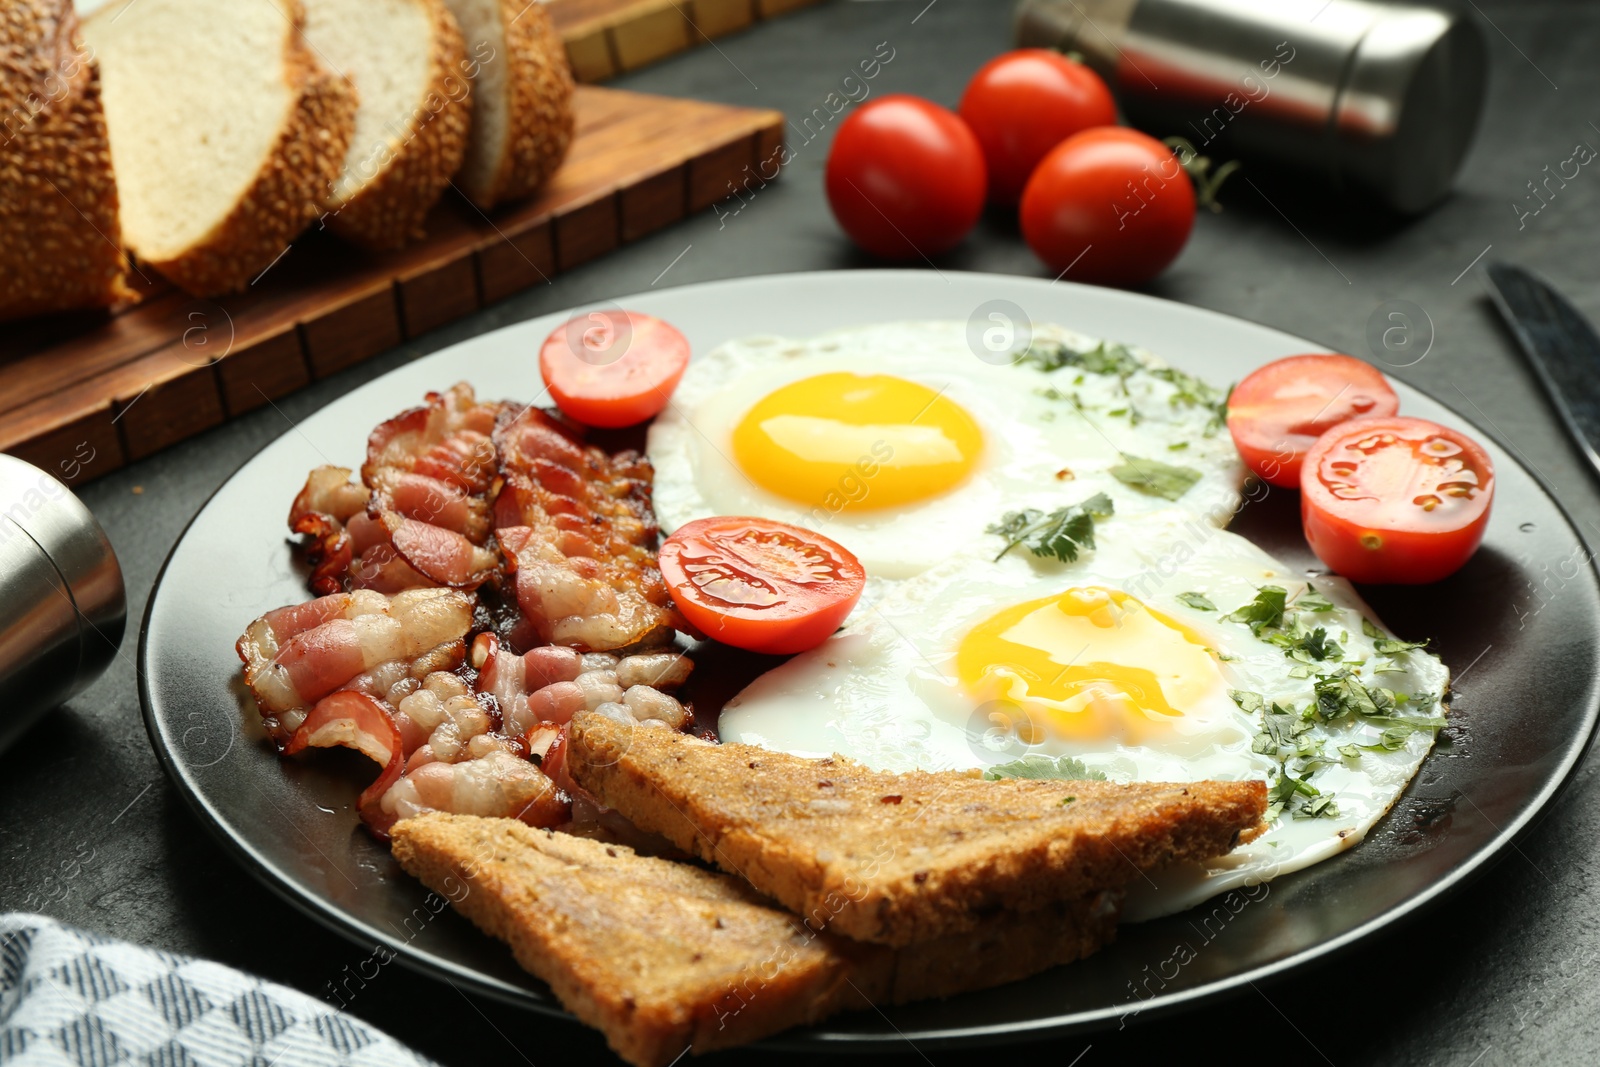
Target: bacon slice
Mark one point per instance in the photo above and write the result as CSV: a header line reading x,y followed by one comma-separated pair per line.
x,y
322,511
295,656
355,720
497,784
457,495
579,525
420,516
447,439
432,501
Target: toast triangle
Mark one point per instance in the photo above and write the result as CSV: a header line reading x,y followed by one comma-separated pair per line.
x,y
663,956
910,856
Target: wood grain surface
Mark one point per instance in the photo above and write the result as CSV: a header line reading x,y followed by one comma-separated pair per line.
x,y
607,37
127,384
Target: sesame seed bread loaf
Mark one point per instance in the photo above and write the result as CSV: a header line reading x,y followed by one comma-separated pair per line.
x,y
225,132
407,63
58,201
521,99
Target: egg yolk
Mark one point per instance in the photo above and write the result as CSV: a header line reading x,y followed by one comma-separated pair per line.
x,y
1091,664
856,442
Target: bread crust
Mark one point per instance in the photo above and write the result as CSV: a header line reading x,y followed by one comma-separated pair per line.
x,y
658,956
288,190
540,86
662,956
900,858
388,211
59,234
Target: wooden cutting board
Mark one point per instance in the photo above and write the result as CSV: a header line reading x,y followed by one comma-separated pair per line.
x,y
81,394
607,37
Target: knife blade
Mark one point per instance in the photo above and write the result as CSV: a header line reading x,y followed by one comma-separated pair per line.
x,y
1561,345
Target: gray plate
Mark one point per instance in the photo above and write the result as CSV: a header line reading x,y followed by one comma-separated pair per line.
x,y
1518,625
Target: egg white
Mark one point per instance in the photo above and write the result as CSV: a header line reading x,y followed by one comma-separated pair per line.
x,y
1051,438
882,690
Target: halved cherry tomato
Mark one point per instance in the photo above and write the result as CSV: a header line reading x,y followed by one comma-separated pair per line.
x,y
760,585
1109,205
1278,411
613,368
1395,500
905,177
1022,104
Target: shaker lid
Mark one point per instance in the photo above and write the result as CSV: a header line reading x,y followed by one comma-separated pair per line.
x,y
1408,110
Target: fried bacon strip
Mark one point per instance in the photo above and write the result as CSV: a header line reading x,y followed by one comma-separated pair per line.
x,y
453,494
351,719
322,511
459,758
420,514
295,656
579,526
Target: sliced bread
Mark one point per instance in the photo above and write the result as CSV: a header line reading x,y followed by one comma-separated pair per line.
x,y
663,956
58,201
407,63
225,132
900,858
521,99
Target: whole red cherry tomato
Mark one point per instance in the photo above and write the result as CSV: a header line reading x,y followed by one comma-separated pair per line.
x,y
1392,499
1111,204
1022,104
1279,410
905,177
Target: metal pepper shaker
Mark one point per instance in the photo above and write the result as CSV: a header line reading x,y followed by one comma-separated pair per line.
x,y
62,601
1377,98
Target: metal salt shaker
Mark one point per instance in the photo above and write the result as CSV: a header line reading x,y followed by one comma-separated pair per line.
x,y
62,602
1378,98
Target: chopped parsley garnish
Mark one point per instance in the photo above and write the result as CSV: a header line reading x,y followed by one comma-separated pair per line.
x,y
1389,646
1061,533
1103,358
1197,601
1299,798
1341,693
1154,478
1119,361
1035,766
1265,611
1193,392
1288,737
1319,806
1370,628
1311,600
1317,645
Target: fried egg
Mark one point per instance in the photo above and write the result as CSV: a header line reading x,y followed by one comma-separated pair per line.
x,y
903,445
1137,662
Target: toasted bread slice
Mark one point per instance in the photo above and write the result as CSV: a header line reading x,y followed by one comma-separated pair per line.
x,y
663,956
223,143
658,956
58,201
912,856
409,68
521,99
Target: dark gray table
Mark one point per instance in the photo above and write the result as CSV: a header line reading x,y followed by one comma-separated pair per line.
x,y
91,832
